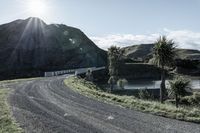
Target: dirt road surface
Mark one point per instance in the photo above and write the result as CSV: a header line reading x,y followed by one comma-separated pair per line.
x,y
48,106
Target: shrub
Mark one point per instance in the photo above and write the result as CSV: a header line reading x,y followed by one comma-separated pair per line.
x,y
191,100
144,94
197,96
179,88
121,83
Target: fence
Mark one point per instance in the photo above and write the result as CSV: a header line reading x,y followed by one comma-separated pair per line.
x,y
72,71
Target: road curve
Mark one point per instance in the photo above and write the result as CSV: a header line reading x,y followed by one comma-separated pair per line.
x,y
48,106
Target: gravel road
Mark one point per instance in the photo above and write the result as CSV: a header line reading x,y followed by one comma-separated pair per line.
x,y
48,106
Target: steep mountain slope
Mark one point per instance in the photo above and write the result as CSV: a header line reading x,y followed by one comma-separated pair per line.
x,y
30,47
144,50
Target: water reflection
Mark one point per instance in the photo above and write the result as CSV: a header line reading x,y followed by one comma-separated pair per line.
x,y
150,84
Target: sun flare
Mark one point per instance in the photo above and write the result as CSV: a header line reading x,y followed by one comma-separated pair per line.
x,y
37,8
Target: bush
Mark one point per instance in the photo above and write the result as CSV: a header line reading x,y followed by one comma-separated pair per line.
x,y
197,96
121,83
179,87
170,101
144,94
191,100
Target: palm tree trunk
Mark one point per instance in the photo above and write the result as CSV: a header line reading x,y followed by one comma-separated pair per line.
x,y
176,98
162,85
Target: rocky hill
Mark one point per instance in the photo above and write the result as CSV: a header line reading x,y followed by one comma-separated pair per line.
x,y
30,47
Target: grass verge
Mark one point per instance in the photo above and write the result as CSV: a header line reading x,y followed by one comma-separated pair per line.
x,y
166,110
18,80
7,123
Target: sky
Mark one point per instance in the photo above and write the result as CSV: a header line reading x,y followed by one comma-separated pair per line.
x,y
116,22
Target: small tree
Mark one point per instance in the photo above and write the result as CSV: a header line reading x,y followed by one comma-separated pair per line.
x,y
179,88
89,75
163,56
114,57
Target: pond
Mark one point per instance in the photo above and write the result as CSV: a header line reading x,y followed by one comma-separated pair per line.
x,y
155,84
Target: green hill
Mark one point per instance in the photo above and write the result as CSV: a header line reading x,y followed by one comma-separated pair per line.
x,y
144,50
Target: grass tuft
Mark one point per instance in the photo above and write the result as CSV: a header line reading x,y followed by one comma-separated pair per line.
x,y
7,123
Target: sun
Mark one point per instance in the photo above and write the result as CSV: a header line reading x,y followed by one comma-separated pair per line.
x,y
37,8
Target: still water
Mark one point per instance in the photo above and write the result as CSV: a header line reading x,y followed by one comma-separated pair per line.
x,y
150,84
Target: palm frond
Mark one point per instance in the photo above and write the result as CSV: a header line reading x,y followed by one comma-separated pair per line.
x,y
164,52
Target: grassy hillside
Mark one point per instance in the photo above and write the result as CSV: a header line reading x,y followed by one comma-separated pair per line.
x,y
138,51
144,50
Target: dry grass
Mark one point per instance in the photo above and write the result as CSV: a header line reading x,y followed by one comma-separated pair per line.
x,y
7,123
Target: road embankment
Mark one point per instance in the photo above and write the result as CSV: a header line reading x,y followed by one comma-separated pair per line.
x,y
166,110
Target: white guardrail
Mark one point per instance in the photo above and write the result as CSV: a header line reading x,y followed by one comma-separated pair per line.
x,y
72,71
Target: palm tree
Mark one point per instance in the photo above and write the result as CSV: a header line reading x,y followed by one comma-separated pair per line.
x,y
179,88
89,75
163,56
114,56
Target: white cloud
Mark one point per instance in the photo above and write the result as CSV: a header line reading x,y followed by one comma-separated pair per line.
x,y
183,39
123,40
